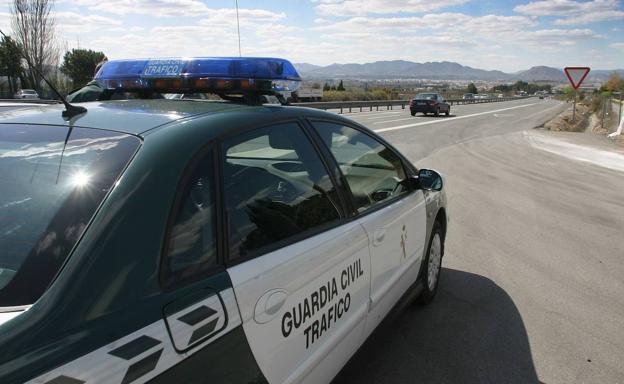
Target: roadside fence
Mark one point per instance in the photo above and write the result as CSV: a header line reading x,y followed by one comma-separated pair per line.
x,y
361,106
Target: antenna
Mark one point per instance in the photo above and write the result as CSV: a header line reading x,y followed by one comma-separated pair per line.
x,y
238,28
70,110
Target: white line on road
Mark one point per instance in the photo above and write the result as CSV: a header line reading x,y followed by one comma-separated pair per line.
x,y
392,121
385,116
451,118
587,154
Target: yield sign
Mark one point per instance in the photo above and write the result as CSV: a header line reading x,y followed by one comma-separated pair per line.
x,y
576,75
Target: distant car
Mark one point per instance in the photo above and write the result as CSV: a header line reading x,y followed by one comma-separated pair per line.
x,y
468,96
27,94
500,95
429,103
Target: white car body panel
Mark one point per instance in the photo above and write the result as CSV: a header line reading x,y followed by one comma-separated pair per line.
x,y
300,270
397,235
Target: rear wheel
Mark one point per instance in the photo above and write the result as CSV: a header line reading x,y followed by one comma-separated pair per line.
x,y
437,112
448,111
432,266
413,113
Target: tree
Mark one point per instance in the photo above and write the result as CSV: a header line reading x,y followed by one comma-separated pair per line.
x,y
614,84
340,86
10,62
326,87
79,65
472,88
35,32
520,86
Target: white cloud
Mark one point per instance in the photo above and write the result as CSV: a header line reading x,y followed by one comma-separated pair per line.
x,y
5,22
451,22
72,22
157,8
574,12
179,8
363,7
619,46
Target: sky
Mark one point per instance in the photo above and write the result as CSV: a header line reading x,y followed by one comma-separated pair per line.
x,y
504,35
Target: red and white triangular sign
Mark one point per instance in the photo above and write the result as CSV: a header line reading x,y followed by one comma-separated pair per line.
x,y
576,75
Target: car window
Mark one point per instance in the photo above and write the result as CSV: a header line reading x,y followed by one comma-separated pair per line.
x,y
373,171
275,188
426,96
192,237
53,180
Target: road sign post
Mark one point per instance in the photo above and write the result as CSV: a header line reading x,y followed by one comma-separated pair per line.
x,y
574,108
576,75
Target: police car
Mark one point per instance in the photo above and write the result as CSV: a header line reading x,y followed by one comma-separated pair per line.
x,y
174,241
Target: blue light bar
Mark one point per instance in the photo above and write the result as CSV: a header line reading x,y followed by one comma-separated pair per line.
x,y
197,74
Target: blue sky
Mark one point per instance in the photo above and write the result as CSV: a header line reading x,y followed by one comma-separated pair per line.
x,y
505,35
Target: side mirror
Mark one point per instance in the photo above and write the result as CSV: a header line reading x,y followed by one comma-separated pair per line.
x,y
428,180
381,195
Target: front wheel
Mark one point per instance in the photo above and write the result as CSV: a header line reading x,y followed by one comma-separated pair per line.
x,y
448,111
437,112
432,266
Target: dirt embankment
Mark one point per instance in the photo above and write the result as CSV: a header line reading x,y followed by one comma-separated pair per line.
x,y
563,122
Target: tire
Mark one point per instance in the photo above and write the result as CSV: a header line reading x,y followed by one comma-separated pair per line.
x,y
437,112
448,111
432,266
413,113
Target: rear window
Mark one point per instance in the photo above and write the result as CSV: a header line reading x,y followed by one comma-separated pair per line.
x,y
53,180
426,96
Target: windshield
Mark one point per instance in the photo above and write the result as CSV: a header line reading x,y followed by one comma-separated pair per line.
x,y
426,96
48,194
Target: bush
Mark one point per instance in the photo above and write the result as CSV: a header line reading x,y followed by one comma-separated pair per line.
x,y
359,95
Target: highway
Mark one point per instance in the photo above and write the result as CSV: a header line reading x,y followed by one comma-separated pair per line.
x,y
532,288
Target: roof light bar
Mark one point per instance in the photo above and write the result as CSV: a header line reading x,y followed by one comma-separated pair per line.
x,y
230,75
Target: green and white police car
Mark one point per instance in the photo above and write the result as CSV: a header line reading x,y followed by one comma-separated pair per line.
x,y
186,241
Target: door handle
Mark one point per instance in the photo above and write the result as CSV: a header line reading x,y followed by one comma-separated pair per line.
x,y
380,235
269,304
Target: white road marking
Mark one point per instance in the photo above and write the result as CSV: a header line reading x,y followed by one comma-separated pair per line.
x,y
606,159
451,118
385,116
392,121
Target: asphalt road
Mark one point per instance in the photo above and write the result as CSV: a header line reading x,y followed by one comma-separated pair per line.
x,y
532,288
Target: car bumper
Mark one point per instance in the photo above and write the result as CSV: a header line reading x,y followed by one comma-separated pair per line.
x,y
422,108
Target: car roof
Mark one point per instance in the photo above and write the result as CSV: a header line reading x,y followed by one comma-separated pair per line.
x,y
127,116
140,117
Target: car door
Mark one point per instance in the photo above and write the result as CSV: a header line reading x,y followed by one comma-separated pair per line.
x,y
392,214
300,272
205,342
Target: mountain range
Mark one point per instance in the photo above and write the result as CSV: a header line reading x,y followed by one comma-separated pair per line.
x,y
442,70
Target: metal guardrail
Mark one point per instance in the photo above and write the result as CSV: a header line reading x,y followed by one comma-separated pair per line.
x,y
390,104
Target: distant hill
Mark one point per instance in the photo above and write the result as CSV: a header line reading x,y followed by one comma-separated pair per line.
x,y
403,69
541,73
305,67
444,70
